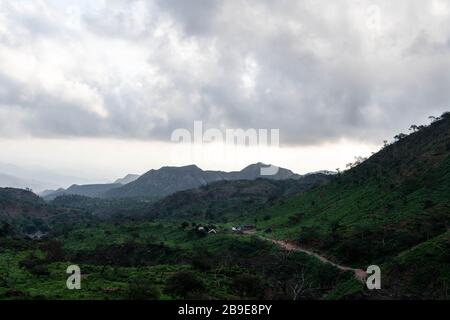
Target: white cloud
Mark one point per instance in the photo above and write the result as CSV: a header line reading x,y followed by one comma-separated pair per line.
x,y
318,70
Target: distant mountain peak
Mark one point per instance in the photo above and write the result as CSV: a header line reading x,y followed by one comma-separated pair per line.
x,y
127,179
256,165
254,171
186,167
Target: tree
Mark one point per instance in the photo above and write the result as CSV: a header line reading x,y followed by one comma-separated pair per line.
x,y
184,225
307,234
203,261
247,285
359,160
400,136
300,285
428,204
184,283
53,250
413,128
5,229
143,290
34,265
334,229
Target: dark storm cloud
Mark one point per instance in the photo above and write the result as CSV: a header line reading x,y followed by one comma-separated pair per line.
x,y
317,70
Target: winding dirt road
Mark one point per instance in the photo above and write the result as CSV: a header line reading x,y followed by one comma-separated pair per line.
x,y
360,274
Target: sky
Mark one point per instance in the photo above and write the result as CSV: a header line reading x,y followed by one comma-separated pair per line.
x,y
95,88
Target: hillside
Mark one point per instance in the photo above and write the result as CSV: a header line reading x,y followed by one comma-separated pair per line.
x,y
87,190
224,200
217,200
16,203
395,200
392,210
25,212
127,179
422,271
168,180
104,207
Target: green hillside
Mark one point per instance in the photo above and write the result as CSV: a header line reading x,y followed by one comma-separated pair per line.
x,y
394,200
392,210
153,260
420,272
392,207
23,211
224,201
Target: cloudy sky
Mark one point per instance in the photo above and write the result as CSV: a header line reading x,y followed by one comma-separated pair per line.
x,y
96,88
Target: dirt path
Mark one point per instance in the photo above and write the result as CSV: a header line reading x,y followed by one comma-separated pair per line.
x,y
360,274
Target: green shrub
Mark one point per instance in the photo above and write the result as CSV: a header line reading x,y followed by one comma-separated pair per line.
x,y
247,285
143,290
203,261
184,283
53,251
34,265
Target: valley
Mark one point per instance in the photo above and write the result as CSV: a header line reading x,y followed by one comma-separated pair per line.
x,y
292,237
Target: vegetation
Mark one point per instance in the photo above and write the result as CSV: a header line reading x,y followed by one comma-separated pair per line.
x,y
160,261
392,210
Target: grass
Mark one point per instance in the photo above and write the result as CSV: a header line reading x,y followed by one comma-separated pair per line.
x,y
228,256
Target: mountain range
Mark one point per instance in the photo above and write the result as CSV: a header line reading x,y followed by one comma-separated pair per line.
x,y
391,210
166,181
226,200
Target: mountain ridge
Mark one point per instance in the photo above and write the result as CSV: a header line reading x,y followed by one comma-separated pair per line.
x,y
168,180
127,179
226,199
165,181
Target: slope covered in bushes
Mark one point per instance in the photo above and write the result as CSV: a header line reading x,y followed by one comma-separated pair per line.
x,y
396,199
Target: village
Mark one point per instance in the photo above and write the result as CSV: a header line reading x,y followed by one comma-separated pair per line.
x,y
205,230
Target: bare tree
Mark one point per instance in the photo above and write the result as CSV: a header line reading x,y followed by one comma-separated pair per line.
x,y
359,160
300,285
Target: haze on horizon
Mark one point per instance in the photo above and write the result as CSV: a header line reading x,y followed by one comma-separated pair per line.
x,y
95,89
